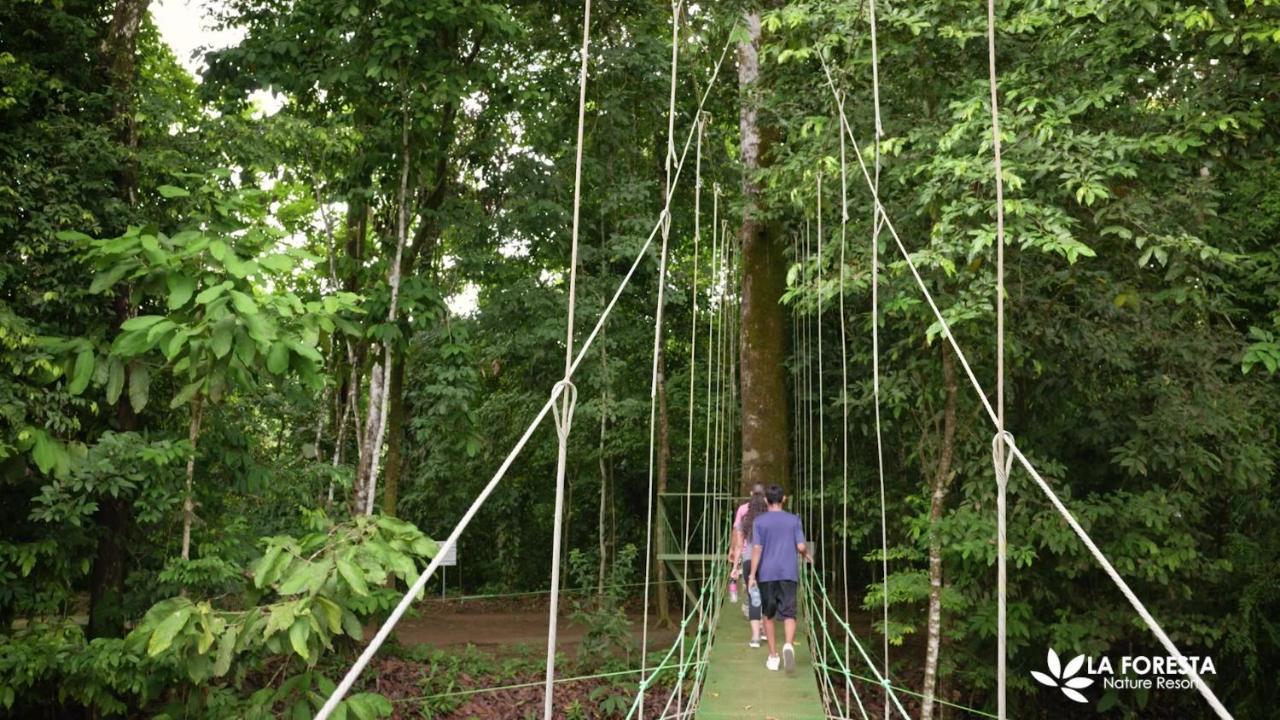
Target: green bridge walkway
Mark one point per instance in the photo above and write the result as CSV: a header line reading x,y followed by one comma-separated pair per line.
x,y
738,687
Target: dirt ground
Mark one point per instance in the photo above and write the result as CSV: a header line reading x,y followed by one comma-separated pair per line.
x,y
511,624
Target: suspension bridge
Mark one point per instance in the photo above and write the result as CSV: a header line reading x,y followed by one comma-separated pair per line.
x,y
709,671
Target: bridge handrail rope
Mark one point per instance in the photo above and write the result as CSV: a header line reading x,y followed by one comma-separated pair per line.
x,y
344,686
1205,691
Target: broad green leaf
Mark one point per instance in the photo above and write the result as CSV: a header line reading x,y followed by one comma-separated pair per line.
x,y
243,303
281,617
142,322
72,236
278,358
278,263
46,451
187,392
244,347
210,294
131,344
331,612
223,335
299,632
139,386
115,380
226,651
181,288
264,566
172,191
82,373
353,576
167,630
306,575
109,277
351,625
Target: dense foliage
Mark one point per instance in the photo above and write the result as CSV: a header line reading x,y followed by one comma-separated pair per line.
x,y
197,328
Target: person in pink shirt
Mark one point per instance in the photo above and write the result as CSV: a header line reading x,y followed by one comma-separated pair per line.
x,y
740,553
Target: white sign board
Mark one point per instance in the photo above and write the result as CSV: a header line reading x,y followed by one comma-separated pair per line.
x,y
451,557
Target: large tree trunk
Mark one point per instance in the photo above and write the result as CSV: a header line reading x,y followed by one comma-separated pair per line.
x,y
763,347
941,483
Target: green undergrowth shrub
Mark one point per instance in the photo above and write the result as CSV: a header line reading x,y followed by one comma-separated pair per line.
x,y
266,651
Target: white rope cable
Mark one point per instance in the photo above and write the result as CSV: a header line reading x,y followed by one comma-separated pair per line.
x,y
822,401
876,219
1002,479
564,418
1155,628
693,354
844,408
657,342
371,649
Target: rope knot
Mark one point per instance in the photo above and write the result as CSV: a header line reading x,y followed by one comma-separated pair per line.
x,y
564,420
1003,462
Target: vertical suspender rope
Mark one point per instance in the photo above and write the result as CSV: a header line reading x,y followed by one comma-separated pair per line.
x,y
844,402
693,355
564,416
657,341
822,440
1001,467
876,216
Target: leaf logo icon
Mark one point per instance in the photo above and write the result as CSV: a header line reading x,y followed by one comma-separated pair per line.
x,y
1064,678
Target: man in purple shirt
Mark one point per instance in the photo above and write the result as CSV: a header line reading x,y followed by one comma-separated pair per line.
x,y
777,539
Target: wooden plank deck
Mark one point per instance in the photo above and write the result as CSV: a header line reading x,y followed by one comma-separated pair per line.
x,y
739,687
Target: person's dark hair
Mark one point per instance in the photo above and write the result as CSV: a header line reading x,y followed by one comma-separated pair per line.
x,y
755,506
773,494
757,489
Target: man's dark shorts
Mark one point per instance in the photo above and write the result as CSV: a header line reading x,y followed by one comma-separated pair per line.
x,y
778,599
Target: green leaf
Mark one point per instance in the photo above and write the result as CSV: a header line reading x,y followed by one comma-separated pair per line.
x,y
331,612
181,288
264,566
244,347
172,191
115,380
299,632
72,236
223,334
139,386
278,263
187,392
131,344
210,294
226,651
353,576
109,277
243,303
82,373
278,358
305,576
167,630
46,451
281,617
142,322
351,625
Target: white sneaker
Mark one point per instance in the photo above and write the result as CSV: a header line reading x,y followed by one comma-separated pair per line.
x,y
788,658
753,643
773,662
